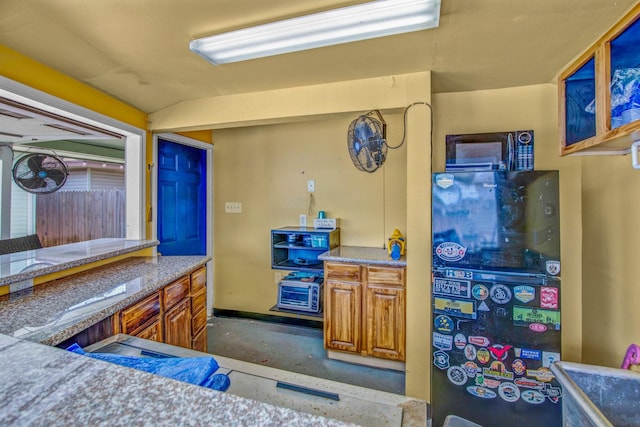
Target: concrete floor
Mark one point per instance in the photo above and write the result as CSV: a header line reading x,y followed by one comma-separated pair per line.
x,y
296,349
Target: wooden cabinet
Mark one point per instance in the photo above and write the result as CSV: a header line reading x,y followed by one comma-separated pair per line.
x,y
599,93
385,313
141,315
177,325
365,310
198,295
175,315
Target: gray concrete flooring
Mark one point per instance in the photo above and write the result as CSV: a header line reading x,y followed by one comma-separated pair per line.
x,y
292,348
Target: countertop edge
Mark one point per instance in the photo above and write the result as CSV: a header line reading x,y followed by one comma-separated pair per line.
x,y
361,255
27,275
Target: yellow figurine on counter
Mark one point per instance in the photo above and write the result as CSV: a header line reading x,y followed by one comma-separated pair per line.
x,y
395,245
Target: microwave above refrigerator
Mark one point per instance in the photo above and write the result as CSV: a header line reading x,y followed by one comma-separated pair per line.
x,y
492,151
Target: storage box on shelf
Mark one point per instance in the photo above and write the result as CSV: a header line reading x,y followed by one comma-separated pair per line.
x,y
297,248
599,93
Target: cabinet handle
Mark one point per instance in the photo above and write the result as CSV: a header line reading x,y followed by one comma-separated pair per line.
x,y
634,155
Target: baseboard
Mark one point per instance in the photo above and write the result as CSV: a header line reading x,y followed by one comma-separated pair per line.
x,y
217,312
374,362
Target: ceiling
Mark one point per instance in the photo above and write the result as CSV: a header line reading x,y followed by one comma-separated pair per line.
x,y
137,50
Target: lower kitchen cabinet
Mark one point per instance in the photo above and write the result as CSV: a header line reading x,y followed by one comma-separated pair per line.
x,y
152,332
198,294
365,310
177,325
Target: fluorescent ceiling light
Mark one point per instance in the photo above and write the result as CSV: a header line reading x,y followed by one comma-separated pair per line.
x,y
360,22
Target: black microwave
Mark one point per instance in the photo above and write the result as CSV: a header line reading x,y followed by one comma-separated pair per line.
x,y
491,151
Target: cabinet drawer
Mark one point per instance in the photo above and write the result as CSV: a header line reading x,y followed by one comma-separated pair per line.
x,y
198,280
152,332
176,292
198,321
349,272
199,301
137,315
386,275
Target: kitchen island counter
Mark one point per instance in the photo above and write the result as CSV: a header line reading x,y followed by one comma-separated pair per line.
x,y
55,311
48,386
362,255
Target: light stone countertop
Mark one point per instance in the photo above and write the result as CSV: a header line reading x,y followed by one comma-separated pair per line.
x,y
52,312
46,386
20,266
362,255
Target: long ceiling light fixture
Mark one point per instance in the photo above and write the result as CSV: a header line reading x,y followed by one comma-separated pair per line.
x,y
360,22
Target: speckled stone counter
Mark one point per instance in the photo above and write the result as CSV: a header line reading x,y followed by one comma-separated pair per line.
x,y
362,255
55,311
26,265
43,385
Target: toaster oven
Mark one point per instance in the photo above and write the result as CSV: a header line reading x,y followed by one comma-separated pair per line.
x,y
300,295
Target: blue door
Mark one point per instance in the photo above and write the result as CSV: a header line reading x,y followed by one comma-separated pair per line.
x,y
182,201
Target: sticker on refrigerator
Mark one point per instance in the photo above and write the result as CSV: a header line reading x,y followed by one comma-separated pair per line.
x,y
460,341
457,375
454,307
458,274
538,327
442,342
452,288
532,396
524,316
527,353
499,351
553,393
519,367
441,359
500,294
548,297
524,294
480,292
471,369
444,180
482,392
498,371
443,324
529,383
483,355
470,352
450,251
479,340
553,267
483,306
548,357
541,374
509,392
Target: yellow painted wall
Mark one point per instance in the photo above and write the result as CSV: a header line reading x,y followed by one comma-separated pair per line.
x,y
611,278
530,107
266,168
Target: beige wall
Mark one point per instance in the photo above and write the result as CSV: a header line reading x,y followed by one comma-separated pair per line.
x,y
530,107
611,298
266,168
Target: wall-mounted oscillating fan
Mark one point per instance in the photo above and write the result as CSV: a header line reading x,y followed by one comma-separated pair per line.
x,y
40,173
367,142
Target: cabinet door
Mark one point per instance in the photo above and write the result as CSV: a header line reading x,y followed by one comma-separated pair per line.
x,y
385,322
199,342
177,325
152,332
342,319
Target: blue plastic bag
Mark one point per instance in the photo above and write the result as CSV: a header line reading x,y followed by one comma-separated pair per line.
x,y
194,370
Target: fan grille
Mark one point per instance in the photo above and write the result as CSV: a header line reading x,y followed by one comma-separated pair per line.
x,y
40,173
367,144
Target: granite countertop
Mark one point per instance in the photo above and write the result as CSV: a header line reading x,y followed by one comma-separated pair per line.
x,y
20,266
362,255
43,385
52,312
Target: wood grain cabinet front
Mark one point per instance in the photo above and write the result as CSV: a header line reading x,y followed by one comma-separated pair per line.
x,y
199,309
365,310
177,325
140,315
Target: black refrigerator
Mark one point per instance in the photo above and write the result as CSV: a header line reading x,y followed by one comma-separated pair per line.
x,y
496,298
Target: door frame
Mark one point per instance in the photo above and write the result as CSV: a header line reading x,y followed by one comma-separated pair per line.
x,y
179,139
